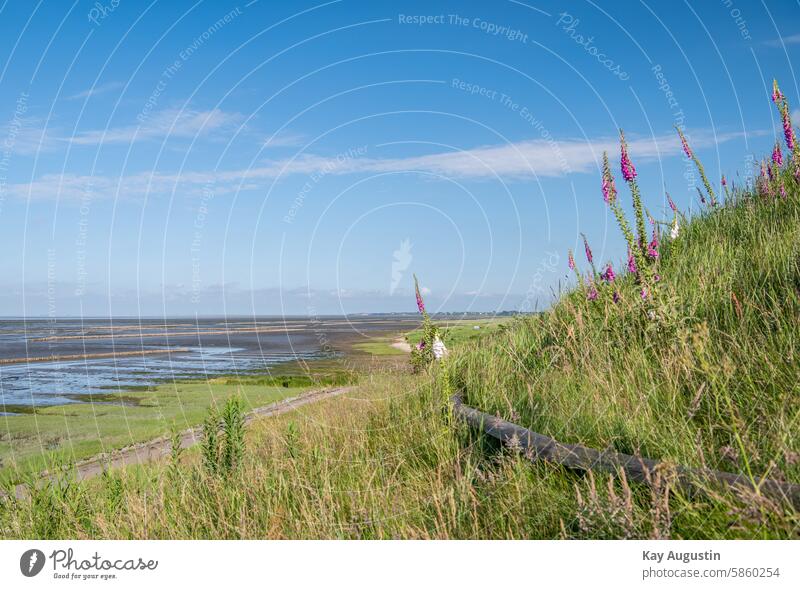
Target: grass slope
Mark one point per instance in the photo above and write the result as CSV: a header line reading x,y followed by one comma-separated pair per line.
x,y
706,375
703,374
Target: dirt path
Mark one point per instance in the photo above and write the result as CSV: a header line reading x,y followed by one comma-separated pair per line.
x,y
401,344
161,447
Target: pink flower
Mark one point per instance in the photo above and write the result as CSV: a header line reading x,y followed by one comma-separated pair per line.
x,y
626,165
788,132
631,263
724,181
656,278
570,260
671,203
777,155
652,250
592,294
607,188
608,275
783,189
587,249
686,149
420,302
615,297
421,345
644,294
777,96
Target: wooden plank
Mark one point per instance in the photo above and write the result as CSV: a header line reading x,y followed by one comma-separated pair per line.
x,y
536,447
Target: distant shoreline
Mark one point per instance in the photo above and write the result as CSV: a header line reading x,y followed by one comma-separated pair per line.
x,y
392,314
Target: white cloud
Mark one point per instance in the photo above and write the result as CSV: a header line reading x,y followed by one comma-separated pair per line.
x,y
543,158
95,90
284,140
512,161
163,124
516,160
29,135
781,41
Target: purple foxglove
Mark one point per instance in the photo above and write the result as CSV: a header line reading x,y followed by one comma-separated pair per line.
x,y
777,155
626,165
588,250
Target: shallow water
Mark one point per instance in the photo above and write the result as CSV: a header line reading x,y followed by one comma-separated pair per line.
x,y
207,347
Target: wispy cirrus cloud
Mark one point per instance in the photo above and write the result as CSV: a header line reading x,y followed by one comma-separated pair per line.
x,y
518,160
161,125
287,139
786,40
27,136
95,90
514,161
33,135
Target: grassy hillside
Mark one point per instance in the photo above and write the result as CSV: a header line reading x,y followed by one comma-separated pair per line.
x,y
706,374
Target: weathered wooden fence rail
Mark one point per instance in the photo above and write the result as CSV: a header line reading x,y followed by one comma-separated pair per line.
x,y
536,447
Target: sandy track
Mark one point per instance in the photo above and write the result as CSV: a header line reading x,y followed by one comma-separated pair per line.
x,y
161,447
401,344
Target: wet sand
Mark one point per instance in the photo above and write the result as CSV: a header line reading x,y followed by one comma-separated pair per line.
x,y
52,362
164,334
70,357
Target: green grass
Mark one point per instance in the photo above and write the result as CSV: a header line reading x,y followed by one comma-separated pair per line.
x,y
460,331
69,433
703,374
454,333
711,364
379,347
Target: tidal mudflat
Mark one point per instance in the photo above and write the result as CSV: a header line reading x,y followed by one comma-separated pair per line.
x,y
54,362
121,382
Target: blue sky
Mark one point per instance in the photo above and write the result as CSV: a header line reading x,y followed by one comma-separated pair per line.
x,y
307,158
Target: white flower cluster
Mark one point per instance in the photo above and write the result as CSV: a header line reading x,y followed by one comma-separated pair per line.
x,y
439,349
